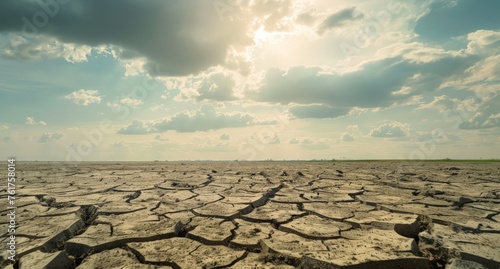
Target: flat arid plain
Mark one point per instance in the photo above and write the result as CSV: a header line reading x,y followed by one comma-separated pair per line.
x,y
255,215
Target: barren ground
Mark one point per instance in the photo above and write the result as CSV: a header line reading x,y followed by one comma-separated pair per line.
x,y
255,215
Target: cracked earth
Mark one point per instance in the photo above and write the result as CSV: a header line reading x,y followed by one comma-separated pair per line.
x,y
256,215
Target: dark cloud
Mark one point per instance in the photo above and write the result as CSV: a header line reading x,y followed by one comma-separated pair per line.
x,y
317,111
338,19
376,84
177,37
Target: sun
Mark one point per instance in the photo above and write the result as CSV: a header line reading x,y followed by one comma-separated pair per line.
x,y
261,36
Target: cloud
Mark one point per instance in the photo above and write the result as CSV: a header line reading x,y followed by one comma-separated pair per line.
x,y
224,137
216,86
338,19
211,146
379,83
46,137
419,52
317,111
135,66
346,137
4,127
176,37
157,107
392,129
135,128
161,138
485,71
437,136
271,138
131,102
484,41
307,18
484,74
353,129
309,143
31,121
486,116
204,119
22,49
442,103
459,109
271,14
119,145
84,97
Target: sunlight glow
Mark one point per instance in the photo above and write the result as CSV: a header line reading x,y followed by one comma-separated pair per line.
x,y
261,36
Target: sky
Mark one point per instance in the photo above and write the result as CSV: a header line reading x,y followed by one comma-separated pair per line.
x,y
130,80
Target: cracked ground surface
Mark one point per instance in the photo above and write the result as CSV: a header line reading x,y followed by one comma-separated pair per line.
x,y
256,215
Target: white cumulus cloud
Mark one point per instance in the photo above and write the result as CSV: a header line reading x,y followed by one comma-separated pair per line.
x,y
31,121
391,129
131,102
84,97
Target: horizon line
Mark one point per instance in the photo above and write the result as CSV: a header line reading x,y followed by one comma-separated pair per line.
x,y
283,160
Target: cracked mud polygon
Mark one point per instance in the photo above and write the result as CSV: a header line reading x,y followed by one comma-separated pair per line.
x,y
257,215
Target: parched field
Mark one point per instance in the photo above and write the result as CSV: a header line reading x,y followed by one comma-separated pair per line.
x,y
255,215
